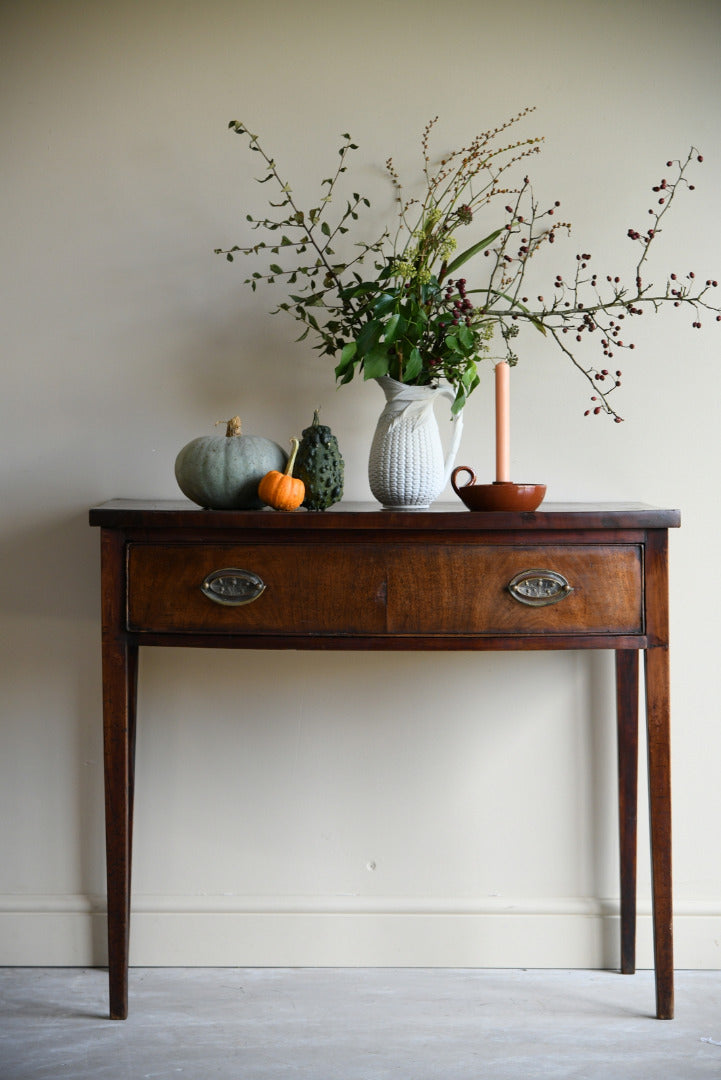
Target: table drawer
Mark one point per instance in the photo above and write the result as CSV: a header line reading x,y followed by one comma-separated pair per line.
x,y
464,589
377,589
306,588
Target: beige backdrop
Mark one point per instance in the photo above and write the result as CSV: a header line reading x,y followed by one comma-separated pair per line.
x,y
343,808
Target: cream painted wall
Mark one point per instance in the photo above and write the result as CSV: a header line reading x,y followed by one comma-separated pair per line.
x,y
313,809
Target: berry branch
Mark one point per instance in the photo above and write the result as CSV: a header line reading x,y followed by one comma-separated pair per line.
x,y
414,317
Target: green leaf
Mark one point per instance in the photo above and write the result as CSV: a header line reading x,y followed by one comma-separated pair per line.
x,y
517,303
385,303
345,378
359,290
369,336
469,378
466,337
275,269
392,328
460,400
471,251
375,363
414,366
325,228
347,357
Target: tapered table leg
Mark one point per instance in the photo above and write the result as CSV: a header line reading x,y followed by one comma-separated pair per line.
x,y
119,672
659,785
627,724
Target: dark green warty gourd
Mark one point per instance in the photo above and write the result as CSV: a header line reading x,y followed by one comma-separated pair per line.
x,y
320,466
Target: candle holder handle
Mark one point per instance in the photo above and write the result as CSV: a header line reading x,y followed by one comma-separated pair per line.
x,y
456,473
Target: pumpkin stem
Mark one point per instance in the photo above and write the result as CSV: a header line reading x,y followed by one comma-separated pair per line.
x,y
232,426
316,417
291,460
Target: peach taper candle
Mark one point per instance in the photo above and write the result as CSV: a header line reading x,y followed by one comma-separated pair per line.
x,y
503,423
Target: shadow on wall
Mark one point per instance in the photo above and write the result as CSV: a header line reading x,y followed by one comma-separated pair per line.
x,y
51,568
251,366
51,691
347,748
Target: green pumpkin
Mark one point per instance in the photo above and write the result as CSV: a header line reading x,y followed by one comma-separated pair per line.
x,y
222,472
320,466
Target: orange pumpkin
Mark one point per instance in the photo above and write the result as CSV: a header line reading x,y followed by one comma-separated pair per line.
x,y
282,490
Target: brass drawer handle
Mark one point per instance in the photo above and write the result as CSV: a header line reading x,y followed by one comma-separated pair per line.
x,y
538,588
233,587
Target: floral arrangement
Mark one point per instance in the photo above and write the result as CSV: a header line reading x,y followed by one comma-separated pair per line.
x,y
414,316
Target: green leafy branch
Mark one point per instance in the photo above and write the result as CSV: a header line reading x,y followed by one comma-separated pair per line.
x,y
413,317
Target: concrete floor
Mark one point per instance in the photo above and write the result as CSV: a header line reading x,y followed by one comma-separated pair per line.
x,y
341,1024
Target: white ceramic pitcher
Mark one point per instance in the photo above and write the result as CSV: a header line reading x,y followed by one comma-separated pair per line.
x,y
407,469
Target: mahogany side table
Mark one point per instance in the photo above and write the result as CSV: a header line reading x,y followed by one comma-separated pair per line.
x,y
358,577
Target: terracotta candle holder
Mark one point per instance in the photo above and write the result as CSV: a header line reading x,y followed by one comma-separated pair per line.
x,y
502,495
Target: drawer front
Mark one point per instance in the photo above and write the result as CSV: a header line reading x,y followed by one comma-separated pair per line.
x,y
373,589
464,589
308,588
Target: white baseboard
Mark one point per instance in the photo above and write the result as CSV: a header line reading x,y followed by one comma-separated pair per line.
x,y
200,931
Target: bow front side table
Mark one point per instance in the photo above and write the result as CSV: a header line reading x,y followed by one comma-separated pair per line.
x,y
358,577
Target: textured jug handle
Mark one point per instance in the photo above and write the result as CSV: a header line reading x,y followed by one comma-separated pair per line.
x,y
456,441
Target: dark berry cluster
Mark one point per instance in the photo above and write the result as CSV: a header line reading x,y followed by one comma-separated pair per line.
x,y
461,308
601,376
